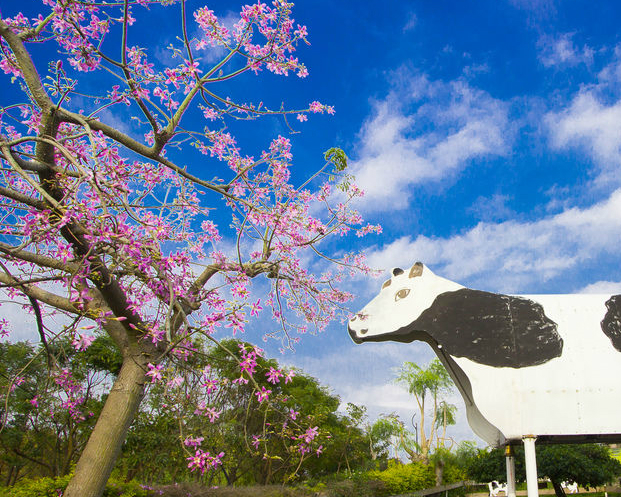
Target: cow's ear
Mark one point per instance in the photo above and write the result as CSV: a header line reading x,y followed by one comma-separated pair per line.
x,y
417,270
386,283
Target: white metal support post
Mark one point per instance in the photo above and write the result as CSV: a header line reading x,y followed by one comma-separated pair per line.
x,y
510,458
532,487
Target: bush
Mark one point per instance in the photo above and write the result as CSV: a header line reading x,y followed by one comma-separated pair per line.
x,y
402,478
53,487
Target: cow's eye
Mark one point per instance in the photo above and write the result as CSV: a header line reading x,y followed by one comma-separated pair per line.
x,y
401,294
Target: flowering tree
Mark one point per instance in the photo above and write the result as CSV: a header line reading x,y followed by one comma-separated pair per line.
x,y
111,229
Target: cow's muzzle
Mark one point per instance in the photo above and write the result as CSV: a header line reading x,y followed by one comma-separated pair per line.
x,y
354,334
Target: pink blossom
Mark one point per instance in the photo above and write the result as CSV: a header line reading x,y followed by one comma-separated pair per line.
x,y
203,460
17,382
155,372
273,375
82,342
4,328
289,376
193,442
263,394
315,107
256,308
177,381
310,434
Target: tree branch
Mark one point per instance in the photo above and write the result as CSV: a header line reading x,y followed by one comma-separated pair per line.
x,y
40,260
44,296
25,63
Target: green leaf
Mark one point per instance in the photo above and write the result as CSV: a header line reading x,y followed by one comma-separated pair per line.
x,y
337,157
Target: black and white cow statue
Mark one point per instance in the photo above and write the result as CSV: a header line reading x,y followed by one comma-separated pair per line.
x,y
547,366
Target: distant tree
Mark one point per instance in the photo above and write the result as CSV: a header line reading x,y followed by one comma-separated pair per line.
x,y
47,418
589,465
380,434
446,416
426,385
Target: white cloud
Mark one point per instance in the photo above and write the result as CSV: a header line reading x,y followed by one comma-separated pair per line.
x,y
364,375
492,208
561,51
605,287
533,4
512,255
411,23
426,131
591,123
611,74
536,10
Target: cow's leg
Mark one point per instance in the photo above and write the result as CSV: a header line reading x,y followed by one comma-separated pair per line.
x,y
531,465
510,458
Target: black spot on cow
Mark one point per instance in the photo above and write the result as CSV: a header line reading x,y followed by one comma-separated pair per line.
x,y
488,328
611,325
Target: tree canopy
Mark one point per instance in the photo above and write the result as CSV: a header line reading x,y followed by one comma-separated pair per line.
x,y
427,385
589,465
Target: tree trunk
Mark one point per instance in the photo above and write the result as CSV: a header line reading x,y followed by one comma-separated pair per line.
x,y
439,470
558,489
104,445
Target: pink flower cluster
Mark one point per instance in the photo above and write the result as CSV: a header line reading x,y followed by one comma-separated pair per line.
x,y
82,342
71,395
203,461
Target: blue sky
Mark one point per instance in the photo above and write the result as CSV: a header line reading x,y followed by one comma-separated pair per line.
x,y
486,135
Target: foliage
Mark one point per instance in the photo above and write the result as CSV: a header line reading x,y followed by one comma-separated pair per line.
x,y
152,233
447,466
380,434
50,413
427,385
402,478
245,431
52,487
251,433
589,465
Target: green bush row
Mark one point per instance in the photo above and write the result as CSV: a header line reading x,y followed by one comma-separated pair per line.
x,y
53,487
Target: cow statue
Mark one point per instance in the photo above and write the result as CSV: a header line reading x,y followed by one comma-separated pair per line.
x,y
571,486
545,366
495,488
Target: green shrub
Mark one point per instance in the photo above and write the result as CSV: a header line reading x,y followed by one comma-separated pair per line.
x,y
53,487
453,474
403,478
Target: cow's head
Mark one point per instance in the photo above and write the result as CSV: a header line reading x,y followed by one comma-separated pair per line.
x,y
401,301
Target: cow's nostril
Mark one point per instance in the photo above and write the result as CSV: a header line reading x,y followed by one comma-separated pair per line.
x,y
364,331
